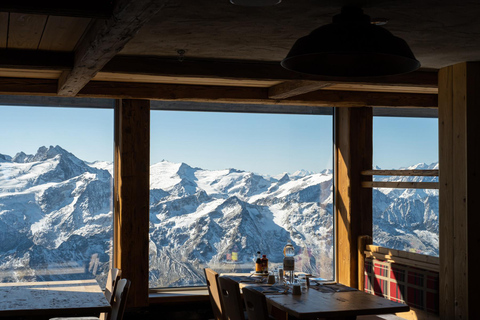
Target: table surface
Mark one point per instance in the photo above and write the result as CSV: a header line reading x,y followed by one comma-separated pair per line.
x,y
326,301
56,298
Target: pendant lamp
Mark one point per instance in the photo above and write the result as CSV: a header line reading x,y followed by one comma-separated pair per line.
x,y
351,46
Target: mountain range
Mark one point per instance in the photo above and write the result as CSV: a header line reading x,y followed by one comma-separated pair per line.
x,y
56,219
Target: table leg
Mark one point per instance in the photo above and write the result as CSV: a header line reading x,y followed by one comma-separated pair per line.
x,y
278,314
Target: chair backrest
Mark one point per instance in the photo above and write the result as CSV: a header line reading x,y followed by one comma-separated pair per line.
x,y
256,304
113,276
214,293
232,301
120,299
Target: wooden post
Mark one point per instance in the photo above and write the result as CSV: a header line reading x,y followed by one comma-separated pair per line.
x,y
131,194
353,154
459,135
363,241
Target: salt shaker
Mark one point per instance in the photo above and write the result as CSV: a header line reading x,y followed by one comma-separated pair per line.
x,y
280,275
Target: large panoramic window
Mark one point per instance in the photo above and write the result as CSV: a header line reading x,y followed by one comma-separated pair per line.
x,y
406,219
55,193
224,186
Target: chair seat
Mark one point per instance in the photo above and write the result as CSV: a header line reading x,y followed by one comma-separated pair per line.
x,y
380,317
76,318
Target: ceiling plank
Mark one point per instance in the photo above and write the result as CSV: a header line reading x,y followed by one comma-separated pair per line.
x,y
98,9
25,30
250,70
63,33
290,89
104,39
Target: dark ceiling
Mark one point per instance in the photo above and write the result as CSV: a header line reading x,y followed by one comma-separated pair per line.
x,y
440,33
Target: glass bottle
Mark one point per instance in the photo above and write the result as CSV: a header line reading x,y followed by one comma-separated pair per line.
x,y
264,264
258,263
235,254
289,261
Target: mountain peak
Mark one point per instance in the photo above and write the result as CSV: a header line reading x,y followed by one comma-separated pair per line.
x,y
21,157
284,179
5,158
424,166
301,173
44,153
185,171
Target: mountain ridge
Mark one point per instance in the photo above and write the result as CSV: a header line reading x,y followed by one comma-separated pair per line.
x,y
56,205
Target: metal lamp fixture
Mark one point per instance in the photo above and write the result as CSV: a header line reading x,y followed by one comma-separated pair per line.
x,y
255,3
351,46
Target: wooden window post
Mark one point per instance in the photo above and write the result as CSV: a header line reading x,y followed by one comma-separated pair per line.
x,y
459,220
353,204
131,194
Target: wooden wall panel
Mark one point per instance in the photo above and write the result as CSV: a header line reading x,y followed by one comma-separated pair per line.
x,y
3,29
131,194
460,191
63,33
445,133
473,187
25,30
459,104
353,142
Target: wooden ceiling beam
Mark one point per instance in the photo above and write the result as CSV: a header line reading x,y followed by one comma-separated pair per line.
x,y
221,94
369,99
249,70
25,86
104,39
293,88
330,98
35,59
96,9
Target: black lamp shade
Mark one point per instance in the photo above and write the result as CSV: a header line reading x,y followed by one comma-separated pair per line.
x,y
351,47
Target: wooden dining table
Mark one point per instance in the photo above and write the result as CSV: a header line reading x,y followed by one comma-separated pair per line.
x,y
329,301
52,298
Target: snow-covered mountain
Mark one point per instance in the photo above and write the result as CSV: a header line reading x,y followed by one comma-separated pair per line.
x,y
56,219
199,217
407,219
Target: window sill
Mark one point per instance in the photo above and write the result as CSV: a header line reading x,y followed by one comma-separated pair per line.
x,y
171,295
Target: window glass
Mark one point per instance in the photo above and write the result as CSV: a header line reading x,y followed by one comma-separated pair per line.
x,y
226,185
55,193
406,219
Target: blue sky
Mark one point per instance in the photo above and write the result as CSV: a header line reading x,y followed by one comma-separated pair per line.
x,y
268,144
402,142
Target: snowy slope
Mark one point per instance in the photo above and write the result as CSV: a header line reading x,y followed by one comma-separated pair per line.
x,y
56,216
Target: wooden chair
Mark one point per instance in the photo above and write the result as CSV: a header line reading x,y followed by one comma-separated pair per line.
x,y
119,303
120,299
214,293
232,301
113,276
256,304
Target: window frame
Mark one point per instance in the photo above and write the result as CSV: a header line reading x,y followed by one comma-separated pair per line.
x,y
171,292
405,186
